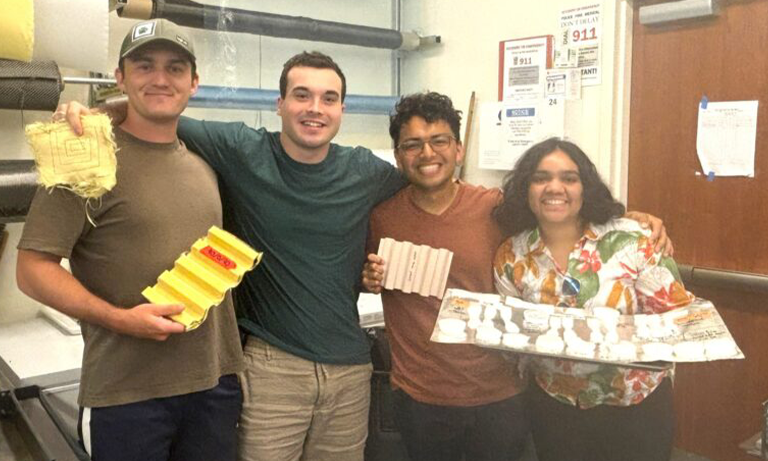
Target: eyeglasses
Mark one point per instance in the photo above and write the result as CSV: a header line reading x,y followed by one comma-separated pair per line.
x,y
439,143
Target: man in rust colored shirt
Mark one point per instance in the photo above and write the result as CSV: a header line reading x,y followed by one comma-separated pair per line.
x,y
452,401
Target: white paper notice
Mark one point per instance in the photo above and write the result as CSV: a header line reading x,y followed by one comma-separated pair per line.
x,y
564,83
490,135
726,138
520,124
525,67
508,129
579,42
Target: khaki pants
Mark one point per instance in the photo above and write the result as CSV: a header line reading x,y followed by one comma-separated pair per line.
x,y
294,409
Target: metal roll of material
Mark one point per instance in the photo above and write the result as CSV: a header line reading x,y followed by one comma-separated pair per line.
x,y
18,183
32,85
200,16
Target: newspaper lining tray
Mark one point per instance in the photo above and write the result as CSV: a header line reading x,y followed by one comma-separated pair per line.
x,y
694,333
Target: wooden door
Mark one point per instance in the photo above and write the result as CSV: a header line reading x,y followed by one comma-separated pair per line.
x,y
720,224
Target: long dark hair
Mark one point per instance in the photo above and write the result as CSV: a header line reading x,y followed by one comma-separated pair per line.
x,y
514,215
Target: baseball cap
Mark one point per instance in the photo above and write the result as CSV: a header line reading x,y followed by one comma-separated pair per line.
x,y
146,32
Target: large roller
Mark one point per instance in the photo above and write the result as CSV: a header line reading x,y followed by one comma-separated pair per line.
x,y
18,183
199,16
29,85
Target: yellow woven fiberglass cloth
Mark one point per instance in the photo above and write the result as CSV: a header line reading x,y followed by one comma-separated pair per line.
x,y
17,29
84,164
201,278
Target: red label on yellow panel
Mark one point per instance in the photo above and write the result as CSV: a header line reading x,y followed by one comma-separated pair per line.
x,y
219,258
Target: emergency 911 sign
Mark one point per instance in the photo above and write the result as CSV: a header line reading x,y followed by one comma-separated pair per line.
x,y
578,44
523,64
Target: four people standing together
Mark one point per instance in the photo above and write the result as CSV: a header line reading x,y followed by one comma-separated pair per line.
x,y
305,202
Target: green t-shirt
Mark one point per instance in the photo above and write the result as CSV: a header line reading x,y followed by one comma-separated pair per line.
x,y
311,221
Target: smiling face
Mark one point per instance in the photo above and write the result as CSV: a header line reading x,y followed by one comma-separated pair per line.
x,y
428,170
158,81
311,112
555,193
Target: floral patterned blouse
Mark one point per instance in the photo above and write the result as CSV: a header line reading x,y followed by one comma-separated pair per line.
x,y
616,266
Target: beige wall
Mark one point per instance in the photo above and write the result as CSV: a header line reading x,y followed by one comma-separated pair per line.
x,y
468,61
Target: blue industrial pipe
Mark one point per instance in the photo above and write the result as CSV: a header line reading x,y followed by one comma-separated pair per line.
x,y
222,97
18,177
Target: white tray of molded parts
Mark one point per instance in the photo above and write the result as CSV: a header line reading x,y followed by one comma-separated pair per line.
x,y
695,333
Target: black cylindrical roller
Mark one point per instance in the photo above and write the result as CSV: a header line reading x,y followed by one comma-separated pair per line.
x,y
18,183
32,85
192,14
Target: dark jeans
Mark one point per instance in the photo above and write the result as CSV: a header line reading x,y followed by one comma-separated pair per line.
x,y
199,426
494,432
642,432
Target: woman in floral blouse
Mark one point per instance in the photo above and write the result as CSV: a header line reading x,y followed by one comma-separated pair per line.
x,y
570,247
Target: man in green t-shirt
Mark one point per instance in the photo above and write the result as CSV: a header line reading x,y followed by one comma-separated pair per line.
x,y
451,401
305,202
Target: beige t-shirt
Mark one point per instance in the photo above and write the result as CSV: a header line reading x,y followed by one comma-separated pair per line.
x,y
165,199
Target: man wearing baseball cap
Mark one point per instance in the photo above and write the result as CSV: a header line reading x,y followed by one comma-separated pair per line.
x,y
149,391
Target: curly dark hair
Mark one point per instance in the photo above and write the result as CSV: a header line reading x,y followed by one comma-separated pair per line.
x,y
314,59
514,215
430,106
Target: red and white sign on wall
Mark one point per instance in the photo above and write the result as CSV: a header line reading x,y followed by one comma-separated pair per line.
x,y
578,44
523,64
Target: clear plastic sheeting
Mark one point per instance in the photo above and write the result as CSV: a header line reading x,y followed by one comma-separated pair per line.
x,y
74,33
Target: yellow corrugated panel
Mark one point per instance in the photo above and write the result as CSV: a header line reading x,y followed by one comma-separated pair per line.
x,y
201,278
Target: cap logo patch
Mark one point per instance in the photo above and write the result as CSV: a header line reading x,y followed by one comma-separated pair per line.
x,y
146,29
183,42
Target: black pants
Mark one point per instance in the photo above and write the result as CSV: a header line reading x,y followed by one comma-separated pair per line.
x,y
642,432
201,426
494,432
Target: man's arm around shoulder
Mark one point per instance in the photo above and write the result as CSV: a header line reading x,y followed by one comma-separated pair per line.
x,y
41,277
386,177
218,143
